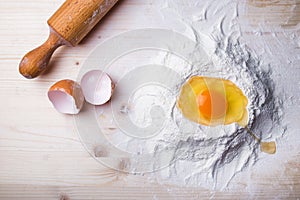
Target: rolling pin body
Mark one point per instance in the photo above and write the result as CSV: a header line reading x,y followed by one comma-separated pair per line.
x,y
68,26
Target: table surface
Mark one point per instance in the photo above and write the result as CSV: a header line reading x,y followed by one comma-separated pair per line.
x,y
41,155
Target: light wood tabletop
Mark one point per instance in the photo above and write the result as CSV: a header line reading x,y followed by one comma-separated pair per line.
x,y
41,156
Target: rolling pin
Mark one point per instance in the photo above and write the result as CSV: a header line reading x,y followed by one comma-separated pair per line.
x,y
68,26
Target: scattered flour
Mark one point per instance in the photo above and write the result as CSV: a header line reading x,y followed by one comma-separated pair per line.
x,y
201,156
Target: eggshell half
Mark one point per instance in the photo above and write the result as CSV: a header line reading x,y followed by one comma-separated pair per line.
x,y
97,87
66,96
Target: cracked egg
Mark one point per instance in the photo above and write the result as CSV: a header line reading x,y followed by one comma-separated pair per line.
x,y
213,101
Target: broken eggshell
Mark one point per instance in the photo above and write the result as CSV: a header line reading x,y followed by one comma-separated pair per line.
x,y
97,87
66,96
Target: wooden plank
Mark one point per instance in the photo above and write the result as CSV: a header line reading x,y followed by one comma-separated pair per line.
x,y
41,156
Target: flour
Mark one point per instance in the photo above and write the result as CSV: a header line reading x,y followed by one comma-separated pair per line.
x,y
210,157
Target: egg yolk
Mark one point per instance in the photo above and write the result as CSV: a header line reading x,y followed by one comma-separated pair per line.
x,y
212,104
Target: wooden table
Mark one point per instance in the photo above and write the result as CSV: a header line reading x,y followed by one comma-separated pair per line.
x,y
41,156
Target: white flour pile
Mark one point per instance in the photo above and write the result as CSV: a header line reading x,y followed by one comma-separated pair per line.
x,y
212,156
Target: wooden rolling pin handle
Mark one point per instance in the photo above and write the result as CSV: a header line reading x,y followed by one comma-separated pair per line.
x,y
36,61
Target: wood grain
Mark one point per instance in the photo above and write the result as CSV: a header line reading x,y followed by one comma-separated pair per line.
x,y
41,156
